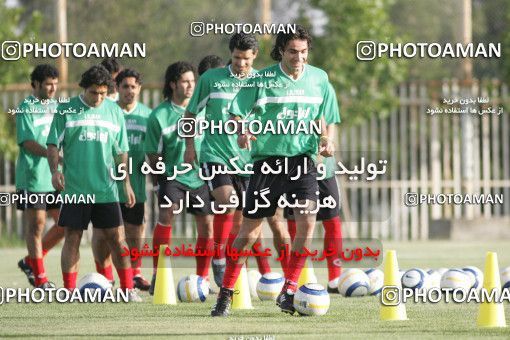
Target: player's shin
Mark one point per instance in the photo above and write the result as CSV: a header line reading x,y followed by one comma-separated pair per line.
x,y
333,241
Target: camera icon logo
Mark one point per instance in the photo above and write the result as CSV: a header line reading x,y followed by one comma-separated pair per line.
x,y
411,199
391,296
365,50
11,50
186,127
5,199
197,29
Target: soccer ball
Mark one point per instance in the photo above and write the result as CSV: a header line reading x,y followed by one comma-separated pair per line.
x,y
505,278
269,286
441,270
434,278
456,278
311,299
253,279
192,288
376,277
476,276
415,279
353,282
94,281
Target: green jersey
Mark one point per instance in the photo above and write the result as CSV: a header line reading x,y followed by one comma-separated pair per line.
x,y
136,126
332,116
89,137
277,98
214,92
162,138
33,120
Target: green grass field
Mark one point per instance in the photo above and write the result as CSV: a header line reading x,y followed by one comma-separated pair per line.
x,y
347,317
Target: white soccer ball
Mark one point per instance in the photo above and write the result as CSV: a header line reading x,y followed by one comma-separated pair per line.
x,y
505,278
475,275
376,277
269,286
441,270
456,278
434,278
253,279
311,299
192,288
353,282
94,281
415,279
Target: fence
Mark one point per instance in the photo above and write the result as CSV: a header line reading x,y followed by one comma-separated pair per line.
x,y
425,153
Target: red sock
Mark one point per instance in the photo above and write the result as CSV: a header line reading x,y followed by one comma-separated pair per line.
x,y
106,271
233,268
333,240
231,273
284,262
125,278
262,263
44,252
162,235
203,262
222,224
70,280
231,239
39,273
291,224
137,267
296,264
290,285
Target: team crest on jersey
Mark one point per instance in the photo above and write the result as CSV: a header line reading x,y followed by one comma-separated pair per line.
x,y
94,136
134,140
300,113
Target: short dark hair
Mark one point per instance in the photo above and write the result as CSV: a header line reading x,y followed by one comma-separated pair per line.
x,y
210,61
96,75
243,42
111,64
128,73
283,38
41,72
173,73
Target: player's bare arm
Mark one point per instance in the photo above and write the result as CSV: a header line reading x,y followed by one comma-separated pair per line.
x,y
190,155
153,159
35,148
130,195
57,178
326,145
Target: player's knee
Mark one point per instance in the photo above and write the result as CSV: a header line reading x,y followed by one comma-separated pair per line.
x,y
73,237
222,195
166,216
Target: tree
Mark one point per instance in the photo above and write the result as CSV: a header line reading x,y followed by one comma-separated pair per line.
x,y
11,29
366,87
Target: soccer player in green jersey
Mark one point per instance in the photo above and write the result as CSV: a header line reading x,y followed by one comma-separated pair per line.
x,y
113,66
298,97
129,84
33,174
208,62
214,91
328,186
163,140
90,130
